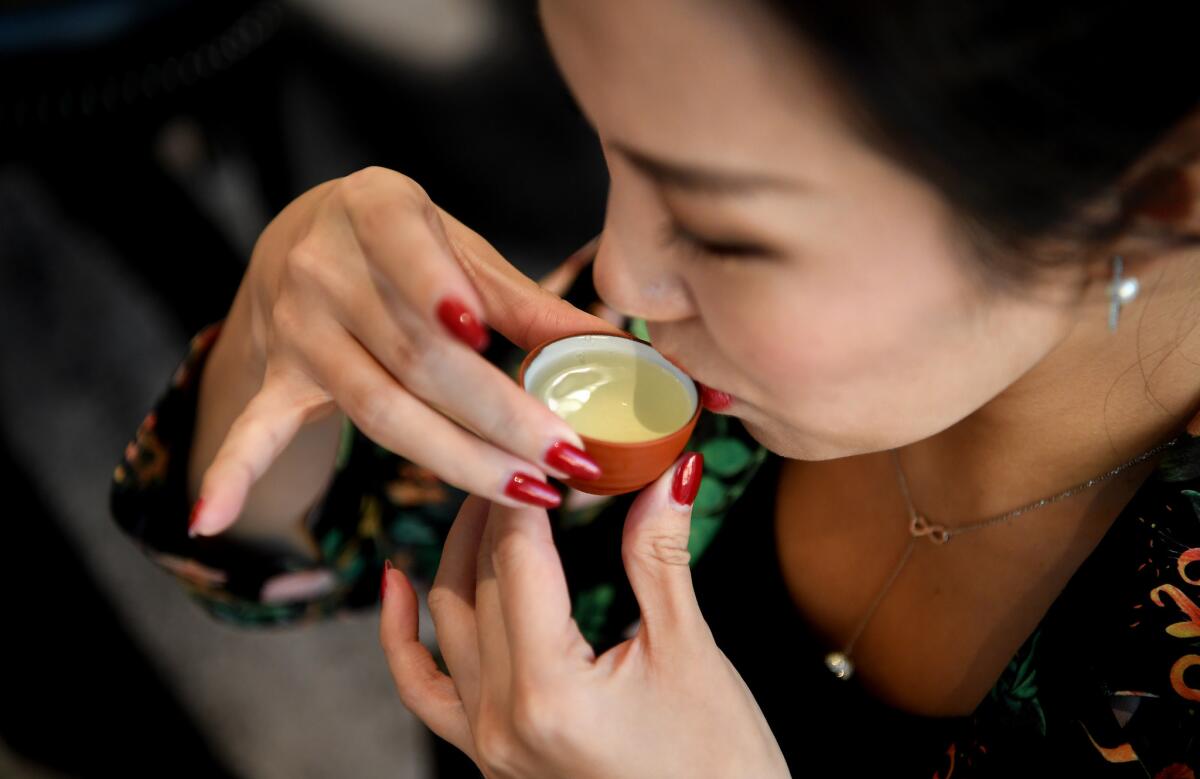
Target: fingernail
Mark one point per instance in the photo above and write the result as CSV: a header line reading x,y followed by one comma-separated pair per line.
x,y
1193,427
686,483
387,566
462,323
714,400
194,518
532,490
572,460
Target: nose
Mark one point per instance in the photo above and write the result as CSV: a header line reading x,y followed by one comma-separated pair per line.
x,y
635,278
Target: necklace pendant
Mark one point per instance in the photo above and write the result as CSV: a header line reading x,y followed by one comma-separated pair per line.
x,y
839,665
920,527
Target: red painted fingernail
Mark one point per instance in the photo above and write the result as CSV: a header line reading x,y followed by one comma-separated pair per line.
x,y
572,460
462,323
1193,427
194,517
686,483
387,566
532,490
714,400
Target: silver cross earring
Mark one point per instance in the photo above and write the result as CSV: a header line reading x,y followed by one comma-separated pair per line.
x,y
1120,291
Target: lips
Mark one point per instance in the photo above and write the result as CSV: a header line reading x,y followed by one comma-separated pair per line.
x,y
714,399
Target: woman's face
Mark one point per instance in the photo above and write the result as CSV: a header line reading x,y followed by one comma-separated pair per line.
x,y
774,255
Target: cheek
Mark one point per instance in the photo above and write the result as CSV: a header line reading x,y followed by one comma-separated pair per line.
x,y
846,313
870,286
799,344
843,362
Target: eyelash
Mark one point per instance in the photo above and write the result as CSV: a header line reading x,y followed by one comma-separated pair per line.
x,y
677,237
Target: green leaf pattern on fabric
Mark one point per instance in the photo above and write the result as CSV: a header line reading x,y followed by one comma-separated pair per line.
x,y
590,610
725,456
638,327
345,445
729,465
1194,497
710,497
703,530
1017,689
331,543
410,530
1181,462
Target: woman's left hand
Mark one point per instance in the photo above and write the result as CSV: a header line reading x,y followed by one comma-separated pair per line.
x,y
527,696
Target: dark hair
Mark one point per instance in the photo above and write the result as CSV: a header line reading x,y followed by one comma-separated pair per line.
x,y
1023,113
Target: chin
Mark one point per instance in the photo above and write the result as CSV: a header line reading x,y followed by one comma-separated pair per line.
x,y
794,445
770,437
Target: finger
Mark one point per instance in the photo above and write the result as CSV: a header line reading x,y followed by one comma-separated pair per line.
x,y
514,304
559,280
254,441
495,671
452,600
423,688
543,639
398,421
400,232
474,393
654,547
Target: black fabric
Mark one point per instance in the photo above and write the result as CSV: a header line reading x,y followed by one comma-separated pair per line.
x,y
1090,659
817,719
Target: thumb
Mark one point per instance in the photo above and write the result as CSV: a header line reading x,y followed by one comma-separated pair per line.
x,y
515,305
654,547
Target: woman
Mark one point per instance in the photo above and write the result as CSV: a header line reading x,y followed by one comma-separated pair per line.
x,y
937,268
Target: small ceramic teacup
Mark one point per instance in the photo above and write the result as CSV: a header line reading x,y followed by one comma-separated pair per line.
x,y
633,408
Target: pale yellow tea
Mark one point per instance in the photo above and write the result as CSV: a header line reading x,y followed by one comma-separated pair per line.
x,y
614,396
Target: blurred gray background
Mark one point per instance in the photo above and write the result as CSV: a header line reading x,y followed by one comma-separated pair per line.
x,y
146,144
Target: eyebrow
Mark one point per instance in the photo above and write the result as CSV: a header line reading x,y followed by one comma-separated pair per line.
x,y
679,175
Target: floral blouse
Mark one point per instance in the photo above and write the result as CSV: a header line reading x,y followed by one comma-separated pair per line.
x,y
1107,686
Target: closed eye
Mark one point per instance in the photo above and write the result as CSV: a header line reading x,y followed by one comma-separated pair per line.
x,y
679,238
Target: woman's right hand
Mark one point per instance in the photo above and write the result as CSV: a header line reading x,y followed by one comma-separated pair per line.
x,y
363,298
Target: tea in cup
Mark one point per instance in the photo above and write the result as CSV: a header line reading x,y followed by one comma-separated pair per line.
x,y
633,408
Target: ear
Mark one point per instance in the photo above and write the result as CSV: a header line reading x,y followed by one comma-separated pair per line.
x,y
1153,211
1159,198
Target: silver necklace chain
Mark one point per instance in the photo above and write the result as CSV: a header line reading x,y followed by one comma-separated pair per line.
x,y
920,527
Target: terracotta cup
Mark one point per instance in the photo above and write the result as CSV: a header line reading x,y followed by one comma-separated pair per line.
x,y
626,466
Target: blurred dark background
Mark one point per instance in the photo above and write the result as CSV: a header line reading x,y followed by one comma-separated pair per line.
x,y
146,143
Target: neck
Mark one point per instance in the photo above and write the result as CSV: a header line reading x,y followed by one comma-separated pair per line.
x,y
1097,400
